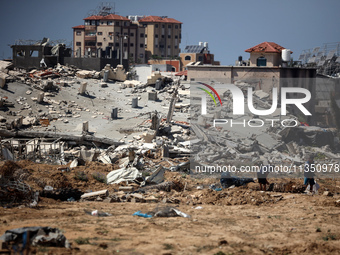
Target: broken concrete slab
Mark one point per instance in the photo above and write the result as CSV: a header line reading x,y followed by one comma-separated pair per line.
x,y
117,74
100,193
124,174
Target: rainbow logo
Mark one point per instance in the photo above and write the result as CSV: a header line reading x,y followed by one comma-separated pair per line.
x,y
210,94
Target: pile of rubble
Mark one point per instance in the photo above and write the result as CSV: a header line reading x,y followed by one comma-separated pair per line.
x,y
222,143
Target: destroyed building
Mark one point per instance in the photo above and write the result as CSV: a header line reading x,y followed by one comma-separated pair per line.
x,y
39,55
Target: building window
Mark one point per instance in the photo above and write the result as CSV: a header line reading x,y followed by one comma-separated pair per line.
x,y
161,46
163,26
117,23
162,36
117,44
141,55
169,47
176,47
176,27
141,45
156,46
78,43
109,23
187,58
132,34
110,33
131,44
169,36
200,58
78,32
146,35
110,44
99,44
176,36
141,35
156,26
125,44
100,33
261,61
169,26
156,36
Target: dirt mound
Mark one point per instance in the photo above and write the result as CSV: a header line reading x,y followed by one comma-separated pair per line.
x,y
8,168
235,196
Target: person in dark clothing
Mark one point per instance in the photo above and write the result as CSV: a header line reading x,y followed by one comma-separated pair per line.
x,y
309,173
262,174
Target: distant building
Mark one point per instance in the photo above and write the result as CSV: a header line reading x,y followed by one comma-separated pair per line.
x,y
135,38
40,55
266,54
162,36
197,55
110,36
265,71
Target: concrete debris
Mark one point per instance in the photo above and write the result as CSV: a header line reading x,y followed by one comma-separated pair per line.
x,y
155,78
86,74
116,74
96,194
45,236
139,133
124,174
5,65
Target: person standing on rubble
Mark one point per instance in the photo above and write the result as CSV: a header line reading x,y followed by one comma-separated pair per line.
x,y
309,173
262,174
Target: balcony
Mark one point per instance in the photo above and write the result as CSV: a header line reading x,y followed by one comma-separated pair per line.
x,y
88,27
90,38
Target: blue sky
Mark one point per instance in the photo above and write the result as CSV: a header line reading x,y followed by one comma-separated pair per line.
x,y
229,26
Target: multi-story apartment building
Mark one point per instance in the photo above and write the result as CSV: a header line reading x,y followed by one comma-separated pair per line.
x,y
110,36
163,36
135,38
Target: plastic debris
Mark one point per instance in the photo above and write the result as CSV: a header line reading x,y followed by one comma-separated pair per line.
x,y
97,213
142,214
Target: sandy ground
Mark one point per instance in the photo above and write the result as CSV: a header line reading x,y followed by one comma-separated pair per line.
x,y
242,220
289,227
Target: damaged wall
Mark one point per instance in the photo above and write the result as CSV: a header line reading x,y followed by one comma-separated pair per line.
x,y
29,56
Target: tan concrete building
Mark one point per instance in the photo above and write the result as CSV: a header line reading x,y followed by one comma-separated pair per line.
x,y
266,54
109,36
197,55
162,36
135,38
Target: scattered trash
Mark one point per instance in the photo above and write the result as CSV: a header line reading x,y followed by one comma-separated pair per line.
x,y
97,213
145,215
48,188
44,236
